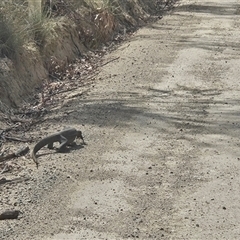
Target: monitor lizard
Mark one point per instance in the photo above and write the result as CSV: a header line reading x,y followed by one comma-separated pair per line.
x,y
65,137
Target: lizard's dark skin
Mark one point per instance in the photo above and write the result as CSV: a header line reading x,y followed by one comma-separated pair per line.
x,y
65,137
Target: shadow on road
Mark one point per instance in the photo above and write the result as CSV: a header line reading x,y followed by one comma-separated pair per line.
x,y
223,9
196,111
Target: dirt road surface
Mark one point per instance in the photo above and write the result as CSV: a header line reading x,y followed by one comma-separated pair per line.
x,y
162,127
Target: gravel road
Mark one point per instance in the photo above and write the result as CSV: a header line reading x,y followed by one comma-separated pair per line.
x,y
162,127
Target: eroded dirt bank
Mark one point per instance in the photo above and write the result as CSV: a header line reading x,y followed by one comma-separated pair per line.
x,y
162,127
36,50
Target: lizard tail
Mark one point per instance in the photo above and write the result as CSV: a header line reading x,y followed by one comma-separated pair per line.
x,y
34,158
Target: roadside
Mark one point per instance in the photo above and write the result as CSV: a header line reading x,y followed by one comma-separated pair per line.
x,y
161,123
38,49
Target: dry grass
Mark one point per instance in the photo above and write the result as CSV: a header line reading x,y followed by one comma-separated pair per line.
x,y
97,22
12,35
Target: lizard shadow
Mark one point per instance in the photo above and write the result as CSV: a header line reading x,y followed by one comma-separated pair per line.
x,y
68,149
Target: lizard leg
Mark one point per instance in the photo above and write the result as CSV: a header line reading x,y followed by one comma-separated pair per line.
x,y
72,143
64,143
50,145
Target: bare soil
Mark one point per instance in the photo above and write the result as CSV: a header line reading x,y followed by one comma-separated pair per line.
x,y
162,127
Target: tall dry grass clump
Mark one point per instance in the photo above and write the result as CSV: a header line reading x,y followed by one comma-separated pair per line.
x,y
11,33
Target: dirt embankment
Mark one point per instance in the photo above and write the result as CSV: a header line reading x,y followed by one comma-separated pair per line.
x,y
69,32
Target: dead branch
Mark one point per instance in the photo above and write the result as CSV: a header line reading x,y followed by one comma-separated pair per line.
x,y
109,61
17,139
20,152
11,181
9,214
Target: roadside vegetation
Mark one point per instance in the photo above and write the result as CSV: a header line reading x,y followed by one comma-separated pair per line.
x,y
65,29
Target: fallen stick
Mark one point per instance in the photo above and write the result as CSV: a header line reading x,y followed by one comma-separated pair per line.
x,y
17,139
9,156
9,214
15,180
4,169
116,58
20,152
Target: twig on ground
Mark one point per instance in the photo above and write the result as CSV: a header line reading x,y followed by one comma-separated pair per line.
x,y
20,152
9,214
109,61
11,181
4,169
17,139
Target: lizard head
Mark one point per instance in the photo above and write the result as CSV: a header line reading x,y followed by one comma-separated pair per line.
x,y
79,135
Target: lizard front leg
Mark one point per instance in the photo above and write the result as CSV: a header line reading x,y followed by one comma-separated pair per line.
x,y
64,142
50,145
